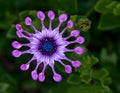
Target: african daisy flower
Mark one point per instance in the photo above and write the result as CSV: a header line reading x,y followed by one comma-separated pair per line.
x,y
48,45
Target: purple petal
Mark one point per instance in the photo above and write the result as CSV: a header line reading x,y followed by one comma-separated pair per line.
x,y
75,33
18,27
41,77
76,64
19,34
80,39
16,53
16,45
41,15
28,21
57,77
63,17
79,50
24,67
51,15
34,75
68,69
70,24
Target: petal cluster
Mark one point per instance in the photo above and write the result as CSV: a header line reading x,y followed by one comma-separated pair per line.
x,y
48,45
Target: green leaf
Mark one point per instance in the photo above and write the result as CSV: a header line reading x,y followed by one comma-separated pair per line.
x,y
85,69
7,20
116,10
3,87
60,67
5,77
24,14
100,74
88,89
2,42
11,33
74,17
61,4
108,22
60,12
112,5
102,6
94,60
107,80
60,88
86,76
87,62
107,58
29,84
74,79
10,82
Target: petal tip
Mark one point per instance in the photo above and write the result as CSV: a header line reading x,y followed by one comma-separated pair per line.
x,y
28,21
57,77
24,67
70,24
18,27
63,17
76,64
79,50
34,75
51,15
75,33
41,77
16,53
80,39
16,44
68,69
41,15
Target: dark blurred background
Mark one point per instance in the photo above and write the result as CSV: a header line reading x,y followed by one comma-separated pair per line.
x,y
98,21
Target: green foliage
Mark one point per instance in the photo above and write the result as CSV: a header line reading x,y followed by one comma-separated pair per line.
x,y
7,82
86,76
2,41
3,87
104,6
74,79
11,33
61,5
109,21
81,80
88,89
116,10
7,20
110,14
100,74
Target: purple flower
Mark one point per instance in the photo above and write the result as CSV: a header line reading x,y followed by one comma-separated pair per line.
x,y
48,45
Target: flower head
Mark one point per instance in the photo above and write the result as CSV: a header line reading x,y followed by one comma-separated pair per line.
x,y
48,45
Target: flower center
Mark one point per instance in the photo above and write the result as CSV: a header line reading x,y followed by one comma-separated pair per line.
x,y
48,46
